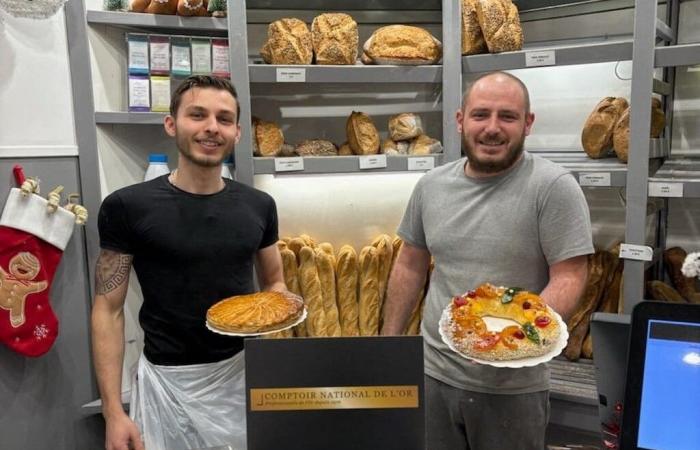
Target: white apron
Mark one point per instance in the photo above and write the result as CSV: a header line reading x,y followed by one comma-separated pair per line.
x,y
190,407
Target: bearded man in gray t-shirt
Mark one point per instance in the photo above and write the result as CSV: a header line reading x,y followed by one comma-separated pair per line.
x,y
502,216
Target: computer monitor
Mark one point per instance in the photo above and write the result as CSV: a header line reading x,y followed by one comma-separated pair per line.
x,y
662,394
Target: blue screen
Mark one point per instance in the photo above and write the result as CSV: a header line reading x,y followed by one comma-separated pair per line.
x,y
670,406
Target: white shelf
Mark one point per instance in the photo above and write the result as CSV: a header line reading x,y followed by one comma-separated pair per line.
x,y
130,118
338,164
157,21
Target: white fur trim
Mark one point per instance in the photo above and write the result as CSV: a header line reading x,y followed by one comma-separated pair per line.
x,y
30,214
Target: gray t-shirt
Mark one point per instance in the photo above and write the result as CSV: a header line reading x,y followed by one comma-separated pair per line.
x,y
506,230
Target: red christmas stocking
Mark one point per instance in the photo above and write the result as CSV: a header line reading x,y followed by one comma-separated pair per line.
x,y
32,240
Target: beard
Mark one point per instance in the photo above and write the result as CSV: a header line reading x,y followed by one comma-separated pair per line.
x,y
201,161
493,166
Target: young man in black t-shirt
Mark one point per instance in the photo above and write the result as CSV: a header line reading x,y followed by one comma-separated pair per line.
x,y
193,238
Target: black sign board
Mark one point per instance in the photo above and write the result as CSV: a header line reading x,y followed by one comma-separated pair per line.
x,y
335,393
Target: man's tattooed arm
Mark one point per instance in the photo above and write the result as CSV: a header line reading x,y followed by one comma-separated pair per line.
x,y
112,271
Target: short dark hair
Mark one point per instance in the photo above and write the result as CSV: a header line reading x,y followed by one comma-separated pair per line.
x,y
203,81
526,94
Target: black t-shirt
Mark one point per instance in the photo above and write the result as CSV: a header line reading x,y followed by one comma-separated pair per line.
x,y
189,251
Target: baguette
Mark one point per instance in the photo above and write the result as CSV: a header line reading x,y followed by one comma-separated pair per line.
x,y
396,246
369,292
326,274
308,240
413,327
385,249
295,245
347,274
291,279
327,247
310,285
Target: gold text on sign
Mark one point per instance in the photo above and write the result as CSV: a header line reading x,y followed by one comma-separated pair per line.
x,y
343,397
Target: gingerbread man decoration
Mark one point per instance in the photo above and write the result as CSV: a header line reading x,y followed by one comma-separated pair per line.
x,y
17,285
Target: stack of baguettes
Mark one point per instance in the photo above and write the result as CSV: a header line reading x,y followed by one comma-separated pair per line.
x,y
343,292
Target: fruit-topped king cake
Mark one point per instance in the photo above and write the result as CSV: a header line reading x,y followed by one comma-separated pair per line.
x,y
534,332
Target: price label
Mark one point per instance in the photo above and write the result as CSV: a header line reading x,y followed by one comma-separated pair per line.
x,y
291,75
636,252
594,179
541,58
423,163
657,189
372,162
292,164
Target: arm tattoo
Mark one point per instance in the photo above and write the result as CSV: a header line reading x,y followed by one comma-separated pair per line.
x,y
112,271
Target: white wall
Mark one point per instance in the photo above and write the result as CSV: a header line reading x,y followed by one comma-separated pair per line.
x,y
35,89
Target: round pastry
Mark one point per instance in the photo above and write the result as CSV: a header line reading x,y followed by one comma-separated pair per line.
x,y
534,333
255,313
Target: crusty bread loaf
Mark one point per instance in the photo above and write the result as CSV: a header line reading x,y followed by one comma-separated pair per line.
x,y
364,57
500,24
291,279
424,145
288,42
472,38
363,136
597,133
405,126
658,118
587,347
369,292
192,8
385,249
579,321
281,245
316,147
402,44
663,292
311,290
621,136
268,138
335,38
347,275
673,259
326,274
392,148
345,150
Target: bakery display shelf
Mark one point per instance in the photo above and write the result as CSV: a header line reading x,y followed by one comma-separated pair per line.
x,y
359,73
130,118
573,381
158,21
677,177
341,164
604,172
589,53
677,55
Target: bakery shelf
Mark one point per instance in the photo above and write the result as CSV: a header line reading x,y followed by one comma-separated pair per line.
x,y
339,164
157,21
563,56
573,381
677,55
604,172
677,177
130,118
264,73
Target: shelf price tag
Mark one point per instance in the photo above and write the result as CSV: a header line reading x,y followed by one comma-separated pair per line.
x,y
541,58
372,162
291,75
423,163
657,189
594,179
636,252
291,164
